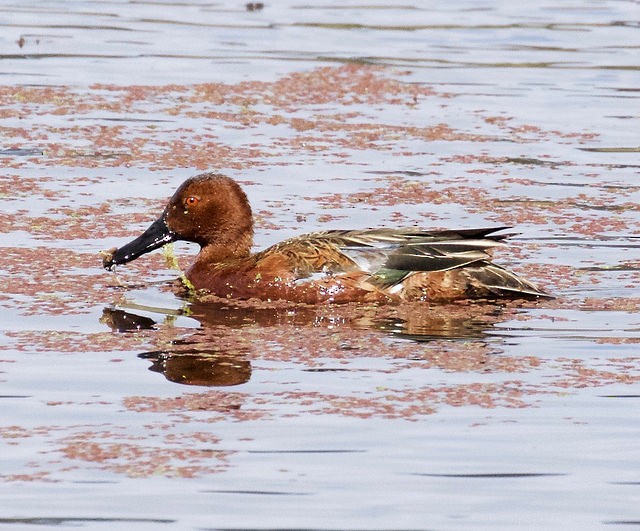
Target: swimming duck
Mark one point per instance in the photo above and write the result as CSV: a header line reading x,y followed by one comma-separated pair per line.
x,y
374,265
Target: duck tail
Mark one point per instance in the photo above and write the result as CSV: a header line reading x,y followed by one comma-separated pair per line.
x,y
490,280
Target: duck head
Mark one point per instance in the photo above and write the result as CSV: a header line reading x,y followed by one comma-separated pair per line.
x,y
208,209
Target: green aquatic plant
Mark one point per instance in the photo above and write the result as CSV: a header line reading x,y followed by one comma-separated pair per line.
x,y
172,263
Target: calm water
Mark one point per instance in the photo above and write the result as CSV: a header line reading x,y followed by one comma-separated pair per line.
x,y
127,406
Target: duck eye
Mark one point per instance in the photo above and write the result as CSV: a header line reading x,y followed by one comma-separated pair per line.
x,y
191,201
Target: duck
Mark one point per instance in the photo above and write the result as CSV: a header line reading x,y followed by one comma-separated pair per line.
x,y
372,265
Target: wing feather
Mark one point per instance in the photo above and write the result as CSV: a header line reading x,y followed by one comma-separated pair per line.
x,y
390,256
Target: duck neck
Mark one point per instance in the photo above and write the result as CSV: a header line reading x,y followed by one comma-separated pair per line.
x,y
224,251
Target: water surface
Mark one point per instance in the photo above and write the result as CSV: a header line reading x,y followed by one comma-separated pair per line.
x,y
128,406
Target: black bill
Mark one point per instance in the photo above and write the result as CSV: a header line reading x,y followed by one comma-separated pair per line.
x,y
157,235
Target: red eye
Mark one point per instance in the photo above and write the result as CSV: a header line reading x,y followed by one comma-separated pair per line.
x,y
191,201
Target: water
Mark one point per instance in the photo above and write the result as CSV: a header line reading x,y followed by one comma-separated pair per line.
x,y
126,406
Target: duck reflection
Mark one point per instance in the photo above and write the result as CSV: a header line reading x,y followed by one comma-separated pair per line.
x,y
123,321
199,367
218,353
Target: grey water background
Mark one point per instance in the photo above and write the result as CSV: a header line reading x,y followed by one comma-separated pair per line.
x,y
570,461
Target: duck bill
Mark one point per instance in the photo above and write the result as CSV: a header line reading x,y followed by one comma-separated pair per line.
x,y
157,235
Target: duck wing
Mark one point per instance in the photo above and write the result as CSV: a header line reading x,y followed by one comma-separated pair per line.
x,y
408,250
391,257
393,260
376,250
